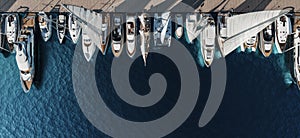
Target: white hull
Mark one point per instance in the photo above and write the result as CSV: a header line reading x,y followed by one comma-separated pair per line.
x,y
117,36
297,51
61,28
74,28
208,42
88,47
191,25
130,35
11,29
145,24
267,41
25,50
283,29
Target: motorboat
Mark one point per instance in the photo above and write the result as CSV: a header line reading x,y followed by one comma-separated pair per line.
x,y
191,26
178,26
45,24
297,50
25,57
11,29
267,40
74,28
116,35
251,44
104,37
208,41
61,27
130,35
283,29
88,46
145,28
162,29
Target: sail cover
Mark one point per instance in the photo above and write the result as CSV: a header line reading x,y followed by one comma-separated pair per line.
x,y
241,27
89,21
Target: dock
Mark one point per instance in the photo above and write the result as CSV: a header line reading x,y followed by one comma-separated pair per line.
x,y
112,5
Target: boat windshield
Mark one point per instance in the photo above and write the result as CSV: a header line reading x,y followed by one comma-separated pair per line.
x,y
130,28
267,35
116,34
44,30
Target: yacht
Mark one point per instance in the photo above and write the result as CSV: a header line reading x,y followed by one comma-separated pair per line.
x,y
283,29
178,26
190,26
251,44
145,28
222,27
162,26
88,46
297,51
116,35
12,28
61,27
45,24
267,40
130,35
104,37
25,52
74,28
208,41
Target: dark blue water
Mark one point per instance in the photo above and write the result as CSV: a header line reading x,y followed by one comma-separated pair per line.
x,y
260,99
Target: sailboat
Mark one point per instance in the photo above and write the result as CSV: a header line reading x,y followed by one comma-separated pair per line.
x,y
104,37
61,27
130,34
145,28
12,28
178,26
297,50
234,30
283,29
267,40
251,44
45,24
162,29
74,28
208,41
25,52
116,35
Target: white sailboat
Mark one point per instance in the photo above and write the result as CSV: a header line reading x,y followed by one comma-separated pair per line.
x,y
61,27
105,29
130,35
117,35
162,29
45,24
233,31
25,52
283,29
297,51
178,26
208,40
74,28
11,29
145,28
267,40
